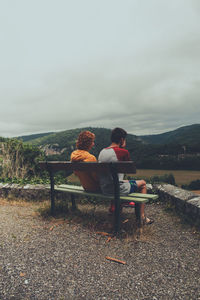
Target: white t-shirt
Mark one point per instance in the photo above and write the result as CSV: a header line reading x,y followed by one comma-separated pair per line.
x,y
113,154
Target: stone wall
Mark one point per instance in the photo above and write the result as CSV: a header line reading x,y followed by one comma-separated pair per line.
x,y
27,192
184,202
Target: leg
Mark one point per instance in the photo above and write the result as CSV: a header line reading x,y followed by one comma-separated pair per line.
x,y
112,207
142,188
73,202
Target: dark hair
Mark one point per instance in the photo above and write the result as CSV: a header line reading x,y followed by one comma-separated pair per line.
x,y
117,134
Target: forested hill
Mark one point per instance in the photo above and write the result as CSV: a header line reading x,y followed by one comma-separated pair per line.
x,y
178,149
187,135
62,143
29,138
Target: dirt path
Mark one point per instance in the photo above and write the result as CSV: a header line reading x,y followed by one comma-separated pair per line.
x,y
66,259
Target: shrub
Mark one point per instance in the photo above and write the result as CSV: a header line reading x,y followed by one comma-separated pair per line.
x,y
193,185
166,178
19,160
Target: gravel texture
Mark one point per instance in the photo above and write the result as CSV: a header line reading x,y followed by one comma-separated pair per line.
x,y
66,259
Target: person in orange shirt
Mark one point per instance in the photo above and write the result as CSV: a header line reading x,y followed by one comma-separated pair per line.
x,y
84,144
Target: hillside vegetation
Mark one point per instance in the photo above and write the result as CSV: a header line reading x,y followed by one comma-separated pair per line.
x,y
178,149
28,138
61,144
187,135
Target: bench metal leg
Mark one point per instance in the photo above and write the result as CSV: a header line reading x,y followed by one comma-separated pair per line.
x,y
117,216
117,221
138,215
73,202
52,193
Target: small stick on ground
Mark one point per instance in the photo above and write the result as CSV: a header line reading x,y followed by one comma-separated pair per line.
x,y
125,221
102,233
108,239
116,260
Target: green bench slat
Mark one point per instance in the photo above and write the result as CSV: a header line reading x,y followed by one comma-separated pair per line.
x,y
140,195
137,195
82,192
134,199
69,186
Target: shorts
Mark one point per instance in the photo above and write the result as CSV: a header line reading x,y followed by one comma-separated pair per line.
x,y
134,186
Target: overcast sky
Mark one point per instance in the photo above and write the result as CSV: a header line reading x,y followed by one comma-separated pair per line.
x,y
67,64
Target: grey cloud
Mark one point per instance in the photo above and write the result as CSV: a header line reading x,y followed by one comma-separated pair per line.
x,y
145,79
154,100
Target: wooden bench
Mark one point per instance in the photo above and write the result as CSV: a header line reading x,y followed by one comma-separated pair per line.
x,y
100,168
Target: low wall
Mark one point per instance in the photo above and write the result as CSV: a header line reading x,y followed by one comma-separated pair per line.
x,y
185,202
28,192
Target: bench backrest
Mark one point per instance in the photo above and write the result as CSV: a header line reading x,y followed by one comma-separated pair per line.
x,y
119,167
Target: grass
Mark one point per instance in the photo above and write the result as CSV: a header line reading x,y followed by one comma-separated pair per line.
x,y
181,176
21,202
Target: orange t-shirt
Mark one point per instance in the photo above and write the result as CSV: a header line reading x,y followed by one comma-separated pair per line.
x,y
88,180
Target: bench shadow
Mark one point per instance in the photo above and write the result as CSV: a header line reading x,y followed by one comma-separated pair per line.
x,y
94,217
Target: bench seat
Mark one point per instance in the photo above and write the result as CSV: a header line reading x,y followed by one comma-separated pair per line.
x,y
134,197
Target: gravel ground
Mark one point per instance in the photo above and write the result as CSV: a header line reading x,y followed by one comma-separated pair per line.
x,y
66,259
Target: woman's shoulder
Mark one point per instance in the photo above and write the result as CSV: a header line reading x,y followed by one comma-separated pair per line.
x,y
89,157
82,155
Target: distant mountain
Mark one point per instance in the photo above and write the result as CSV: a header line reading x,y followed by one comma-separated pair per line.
x,y
187,135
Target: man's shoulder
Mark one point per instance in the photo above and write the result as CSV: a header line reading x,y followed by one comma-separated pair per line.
x,y
123,150
114,154
107,155
122,154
